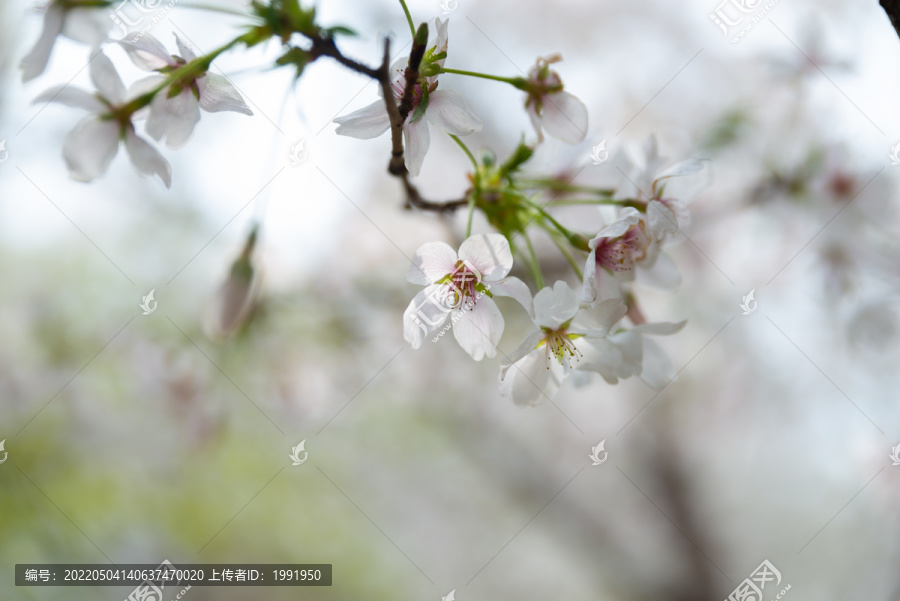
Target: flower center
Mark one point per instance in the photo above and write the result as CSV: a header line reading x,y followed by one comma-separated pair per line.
x,y
620,254
462,287
561,345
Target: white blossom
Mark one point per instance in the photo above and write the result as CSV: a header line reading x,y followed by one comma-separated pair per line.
x,y
551,108
461,287
92,145
555,347
445,109
174,116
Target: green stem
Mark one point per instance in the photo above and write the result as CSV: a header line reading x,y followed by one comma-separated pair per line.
x,y
471,215
569,258
535,266
465,149
590,201
517,82
412,26
560,185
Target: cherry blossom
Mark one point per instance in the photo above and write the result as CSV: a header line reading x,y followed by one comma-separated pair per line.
x,y
92,145
174,115
78,20
629,353
461,286
445,109
555,347
551,108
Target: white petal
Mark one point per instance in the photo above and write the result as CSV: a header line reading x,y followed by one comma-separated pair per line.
x,y
525,347
564,117
657,369
366,123
688,167
515,289
90,148
532,381
107,80
423,316
174,117
73,97
555,306
630,345
34,63
143,86
146,52
417,141
597,320
186,52
478,330
601,356
628,217
661,219
147,159
589,286
535,121
431,262
218,94
489,254
448,111
87,25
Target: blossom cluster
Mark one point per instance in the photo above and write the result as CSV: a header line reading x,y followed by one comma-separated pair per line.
x,y
169,101
591,325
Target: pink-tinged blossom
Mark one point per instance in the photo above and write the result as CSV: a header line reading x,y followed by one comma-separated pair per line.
x,y
551,108
174,116
462,286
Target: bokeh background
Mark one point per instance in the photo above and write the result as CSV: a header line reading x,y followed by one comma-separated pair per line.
x,y
136,438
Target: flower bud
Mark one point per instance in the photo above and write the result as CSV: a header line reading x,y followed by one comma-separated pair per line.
x,y
234,301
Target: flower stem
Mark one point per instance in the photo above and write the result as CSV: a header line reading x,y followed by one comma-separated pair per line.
x,y
412,26
465,149
471,214
569,258
535,266
517,82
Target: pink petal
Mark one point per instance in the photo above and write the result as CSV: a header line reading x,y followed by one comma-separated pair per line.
x,y
565,117
146,159
91,147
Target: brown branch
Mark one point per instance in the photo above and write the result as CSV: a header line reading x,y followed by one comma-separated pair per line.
x,y
892,8
397,114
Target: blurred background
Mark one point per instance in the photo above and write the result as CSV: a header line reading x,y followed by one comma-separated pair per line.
x,y
137,438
